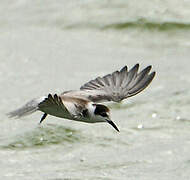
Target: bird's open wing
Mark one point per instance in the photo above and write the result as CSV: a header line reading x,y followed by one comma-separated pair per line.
x,y
53,105
118,85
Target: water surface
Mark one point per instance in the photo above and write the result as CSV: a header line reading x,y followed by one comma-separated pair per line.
x,y
59,45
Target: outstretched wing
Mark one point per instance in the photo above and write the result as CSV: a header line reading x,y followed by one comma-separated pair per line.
x,y
118,85
53,105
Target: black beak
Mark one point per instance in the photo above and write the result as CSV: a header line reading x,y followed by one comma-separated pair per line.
x,y
114,126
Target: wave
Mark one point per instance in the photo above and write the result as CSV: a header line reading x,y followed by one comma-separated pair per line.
x,y
142,24
43,136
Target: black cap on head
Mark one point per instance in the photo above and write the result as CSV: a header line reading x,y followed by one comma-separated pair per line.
x,y
101,110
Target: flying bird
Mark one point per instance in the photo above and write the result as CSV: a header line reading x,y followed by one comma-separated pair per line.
x,y
84,104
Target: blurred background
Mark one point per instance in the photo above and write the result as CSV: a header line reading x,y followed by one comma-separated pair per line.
x,y
54,46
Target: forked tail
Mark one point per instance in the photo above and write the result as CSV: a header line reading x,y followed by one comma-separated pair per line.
x,y
27,109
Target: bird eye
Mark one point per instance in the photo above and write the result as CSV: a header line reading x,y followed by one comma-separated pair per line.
x,y
104,114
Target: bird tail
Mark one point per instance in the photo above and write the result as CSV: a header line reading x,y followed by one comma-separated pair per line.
x,y
27,109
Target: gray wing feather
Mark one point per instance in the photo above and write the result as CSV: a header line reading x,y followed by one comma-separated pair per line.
x,y
141,85
118,85
130,77
27,109
53,105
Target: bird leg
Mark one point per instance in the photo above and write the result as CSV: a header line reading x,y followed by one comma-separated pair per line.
x,y
43,117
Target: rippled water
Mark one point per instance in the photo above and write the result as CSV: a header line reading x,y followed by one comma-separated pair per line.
x,y
54,46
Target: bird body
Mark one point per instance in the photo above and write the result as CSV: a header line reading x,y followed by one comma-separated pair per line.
x,y
84,104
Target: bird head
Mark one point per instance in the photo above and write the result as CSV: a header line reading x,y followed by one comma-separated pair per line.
x,y
102,114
